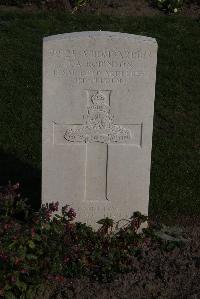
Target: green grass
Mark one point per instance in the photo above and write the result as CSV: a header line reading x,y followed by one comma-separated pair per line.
x,y
175,183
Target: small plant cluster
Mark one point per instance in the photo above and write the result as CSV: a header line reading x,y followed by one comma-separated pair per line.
x,y
20,3
171,6
38,246
49,4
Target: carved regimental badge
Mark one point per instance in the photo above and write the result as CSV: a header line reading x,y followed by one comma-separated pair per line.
x,y
98,124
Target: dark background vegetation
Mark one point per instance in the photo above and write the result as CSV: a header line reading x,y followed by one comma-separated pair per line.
x,y
175,186
110,7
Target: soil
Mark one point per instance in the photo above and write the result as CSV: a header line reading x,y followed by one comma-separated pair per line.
x,y
109,7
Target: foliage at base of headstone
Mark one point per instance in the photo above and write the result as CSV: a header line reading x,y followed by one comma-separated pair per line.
x,y
42,246
171,6
49,4
20,3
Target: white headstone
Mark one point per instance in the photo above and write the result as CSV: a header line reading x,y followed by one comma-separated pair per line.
x,y
98,106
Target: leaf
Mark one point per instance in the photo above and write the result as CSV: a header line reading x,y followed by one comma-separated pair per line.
x,y
57,216
37,237
47,226
7,287
106,221
31,244
22,251
10,295
12,245
31,257
31,292
39,290
21,285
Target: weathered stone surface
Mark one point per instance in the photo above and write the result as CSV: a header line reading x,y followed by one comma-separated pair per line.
x,y
98,106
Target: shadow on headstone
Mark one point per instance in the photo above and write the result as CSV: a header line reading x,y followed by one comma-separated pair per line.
x,y
14,170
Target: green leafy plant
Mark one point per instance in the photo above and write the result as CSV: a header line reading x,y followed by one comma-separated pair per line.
x,y
50,247
10,202
79,3
172,6
107,224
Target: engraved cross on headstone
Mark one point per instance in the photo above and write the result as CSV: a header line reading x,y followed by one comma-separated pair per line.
x,y
98,132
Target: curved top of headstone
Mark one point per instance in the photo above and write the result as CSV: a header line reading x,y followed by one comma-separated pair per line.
x,y
93,34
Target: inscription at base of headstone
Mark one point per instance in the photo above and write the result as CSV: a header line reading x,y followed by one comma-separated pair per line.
x,y
98,105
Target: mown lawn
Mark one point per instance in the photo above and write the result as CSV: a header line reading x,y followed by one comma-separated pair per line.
x,y
175,183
